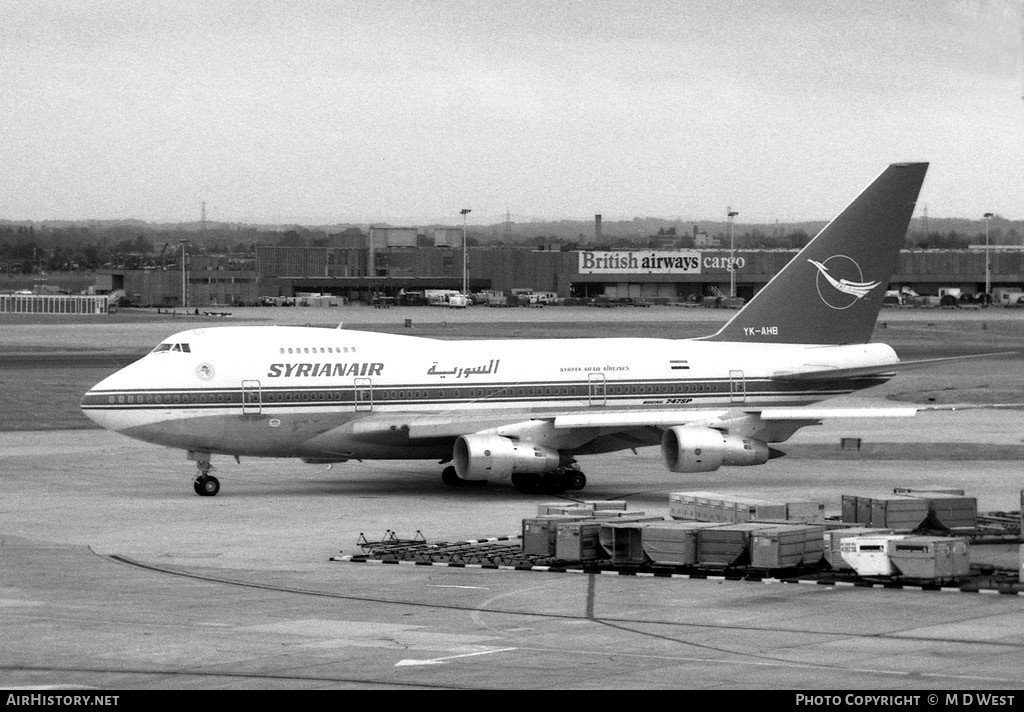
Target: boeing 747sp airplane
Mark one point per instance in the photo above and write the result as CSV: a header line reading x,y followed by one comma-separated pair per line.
x,y
525,410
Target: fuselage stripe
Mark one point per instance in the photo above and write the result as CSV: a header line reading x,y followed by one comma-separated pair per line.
x,y
655,392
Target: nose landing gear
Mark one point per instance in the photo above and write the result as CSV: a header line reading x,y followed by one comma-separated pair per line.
x,y
205,485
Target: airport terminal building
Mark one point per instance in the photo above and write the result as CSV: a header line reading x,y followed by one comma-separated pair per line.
x,y
362,269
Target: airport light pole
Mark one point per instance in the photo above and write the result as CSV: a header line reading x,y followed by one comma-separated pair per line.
x,y
465,274
732,254
184,276
988,260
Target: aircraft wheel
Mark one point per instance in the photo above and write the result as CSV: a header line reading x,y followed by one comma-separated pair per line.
x,y
196,487
575,480
207,486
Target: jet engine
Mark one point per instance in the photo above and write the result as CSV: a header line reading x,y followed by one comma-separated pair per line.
x,y
692,449
493,457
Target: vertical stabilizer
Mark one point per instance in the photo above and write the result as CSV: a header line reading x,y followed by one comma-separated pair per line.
x,y
831,292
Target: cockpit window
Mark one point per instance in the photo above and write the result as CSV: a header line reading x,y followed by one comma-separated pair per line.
x,y
172,347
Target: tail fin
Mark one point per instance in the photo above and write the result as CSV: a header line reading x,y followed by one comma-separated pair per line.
x,y
831,292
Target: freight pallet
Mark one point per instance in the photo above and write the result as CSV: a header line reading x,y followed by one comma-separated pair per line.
x,y
496,551
506,553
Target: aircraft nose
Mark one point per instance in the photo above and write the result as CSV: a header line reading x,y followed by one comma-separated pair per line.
x,y
99,404
89,400
92,407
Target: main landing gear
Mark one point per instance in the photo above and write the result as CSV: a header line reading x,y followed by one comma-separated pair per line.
x,y
556,482
206,485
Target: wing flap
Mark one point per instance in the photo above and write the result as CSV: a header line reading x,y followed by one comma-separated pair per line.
x,y
826,413
626,419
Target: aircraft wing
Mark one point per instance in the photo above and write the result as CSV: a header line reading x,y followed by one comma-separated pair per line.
x,y
669,418
463,423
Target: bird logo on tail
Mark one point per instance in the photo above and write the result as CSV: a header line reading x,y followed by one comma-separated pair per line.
x,y
855,289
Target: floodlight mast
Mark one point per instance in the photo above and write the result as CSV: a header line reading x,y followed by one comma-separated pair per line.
x,y
465,270
988,260
732,254
184,276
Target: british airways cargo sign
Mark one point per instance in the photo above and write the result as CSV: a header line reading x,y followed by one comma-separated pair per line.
x,y
657,262
647,262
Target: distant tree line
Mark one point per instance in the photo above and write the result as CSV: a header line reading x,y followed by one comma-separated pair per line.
x,y
67,246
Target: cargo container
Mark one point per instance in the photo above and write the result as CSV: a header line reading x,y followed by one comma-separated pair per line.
x,y
672,543
863,510
909,509
727,545
539,532
869,555
931,558
621,537
617,505
622,543
805,511
849,508
578,541
683,505
950,510
760,509
832,539
777,548
814,553
898,512
608,515
563,508
786,546
717,507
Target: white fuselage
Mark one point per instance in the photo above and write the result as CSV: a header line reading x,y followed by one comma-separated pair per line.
x,y
339,394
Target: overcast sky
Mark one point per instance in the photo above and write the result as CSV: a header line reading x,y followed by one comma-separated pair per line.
x,y
406,112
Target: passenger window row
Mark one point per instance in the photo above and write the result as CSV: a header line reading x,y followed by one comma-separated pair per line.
x,y
318,349
414,393
170,399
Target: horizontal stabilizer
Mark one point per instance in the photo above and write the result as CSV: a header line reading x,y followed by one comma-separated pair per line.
x,y
891,368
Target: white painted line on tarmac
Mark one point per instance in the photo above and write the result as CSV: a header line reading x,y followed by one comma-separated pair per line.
x,y
442,661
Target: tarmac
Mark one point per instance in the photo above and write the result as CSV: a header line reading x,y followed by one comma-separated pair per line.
x,y
114,575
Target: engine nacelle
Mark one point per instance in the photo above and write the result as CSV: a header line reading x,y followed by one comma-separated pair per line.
x,y
690,449
493,457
